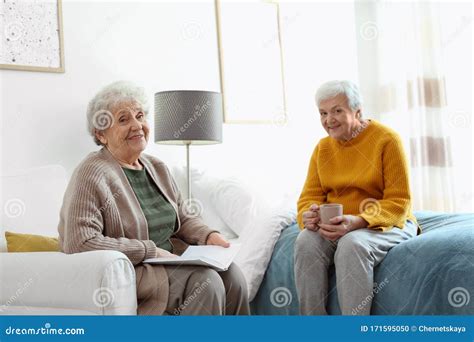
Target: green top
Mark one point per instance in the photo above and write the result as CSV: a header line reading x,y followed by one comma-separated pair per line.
x,y
159,213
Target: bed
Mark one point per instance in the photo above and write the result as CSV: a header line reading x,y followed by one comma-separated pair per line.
x,y
431,274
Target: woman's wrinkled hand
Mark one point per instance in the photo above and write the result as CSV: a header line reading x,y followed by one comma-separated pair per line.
x,y
311,218
163,253
217,239
340,226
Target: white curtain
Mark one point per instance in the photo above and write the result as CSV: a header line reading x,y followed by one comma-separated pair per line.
x,y
402,75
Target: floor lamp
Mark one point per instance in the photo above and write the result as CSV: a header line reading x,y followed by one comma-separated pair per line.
x,y
188,117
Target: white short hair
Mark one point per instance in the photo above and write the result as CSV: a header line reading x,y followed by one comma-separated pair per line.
x,y
101,105
333,88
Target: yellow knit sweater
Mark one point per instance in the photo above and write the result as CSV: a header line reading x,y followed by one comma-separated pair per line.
x,y
368,175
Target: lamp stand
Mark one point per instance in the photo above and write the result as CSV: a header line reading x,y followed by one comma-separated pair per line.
x,y
188,169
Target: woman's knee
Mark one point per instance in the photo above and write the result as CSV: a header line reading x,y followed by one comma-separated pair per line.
x,y
234,276
307,242
234,281
350,246
207,281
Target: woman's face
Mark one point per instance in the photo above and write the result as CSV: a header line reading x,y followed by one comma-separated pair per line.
x,y
129,132
337,118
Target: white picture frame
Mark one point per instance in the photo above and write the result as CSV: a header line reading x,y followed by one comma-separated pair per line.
x,y
251,62
31,35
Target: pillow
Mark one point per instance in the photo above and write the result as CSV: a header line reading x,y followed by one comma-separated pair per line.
x,y
30,243
258,242
228,204
202,198
238,205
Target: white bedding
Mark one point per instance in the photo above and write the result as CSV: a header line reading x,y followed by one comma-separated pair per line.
x,y
258,244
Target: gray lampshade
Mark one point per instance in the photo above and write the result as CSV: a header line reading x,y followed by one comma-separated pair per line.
x,y
188,117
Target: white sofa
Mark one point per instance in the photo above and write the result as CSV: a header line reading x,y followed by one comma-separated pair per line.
x,y
53,283
103,282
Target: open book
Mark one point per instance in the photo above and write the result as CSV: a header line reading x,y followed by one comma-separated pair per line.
x,y
216,257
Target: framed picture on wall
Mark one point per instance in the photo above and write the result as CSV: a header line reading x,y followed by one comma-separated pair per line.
x,y
251,62
31,35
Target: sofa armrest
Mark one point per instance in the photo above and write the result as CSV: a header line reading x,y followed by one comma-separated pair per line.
x,y
96,282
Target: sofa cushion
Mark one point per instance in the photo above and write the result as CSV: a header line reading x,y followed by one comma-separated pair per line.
x,y
30,243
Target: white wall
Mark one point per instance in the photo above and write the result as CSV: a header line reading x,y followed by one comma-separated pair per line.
x,y
172,45
44,113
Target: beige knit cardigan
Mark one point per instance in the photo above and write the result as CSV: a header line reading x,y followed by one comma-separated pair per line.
x,y
101,212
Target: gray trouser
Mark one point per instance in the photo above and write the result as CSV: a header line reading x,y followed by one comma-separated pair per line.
x,y
199,290
354,255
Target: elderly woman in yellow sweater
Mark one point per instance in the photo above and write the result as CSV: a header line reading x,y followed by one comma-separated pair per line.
x,y
361,165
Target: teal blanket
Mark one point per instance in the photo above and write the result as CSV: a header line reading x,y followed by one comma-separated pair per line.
x,y
431,274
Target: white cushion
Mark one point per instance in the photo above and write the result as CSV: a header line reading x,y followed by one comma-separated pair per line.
x,y
258,242
238,206
228,203
201,190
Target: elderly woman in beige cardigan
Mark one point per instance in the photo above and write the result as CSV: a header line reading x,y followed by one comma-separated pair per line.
x,y
122,199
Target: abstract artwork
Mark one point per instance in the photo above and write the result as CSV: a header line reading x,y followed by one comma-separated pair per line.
x,y
31,35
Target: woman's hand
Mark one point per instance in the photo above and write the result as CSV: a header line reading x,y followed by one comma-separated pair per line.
x,y
217,240
311,218
163,253
340,226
